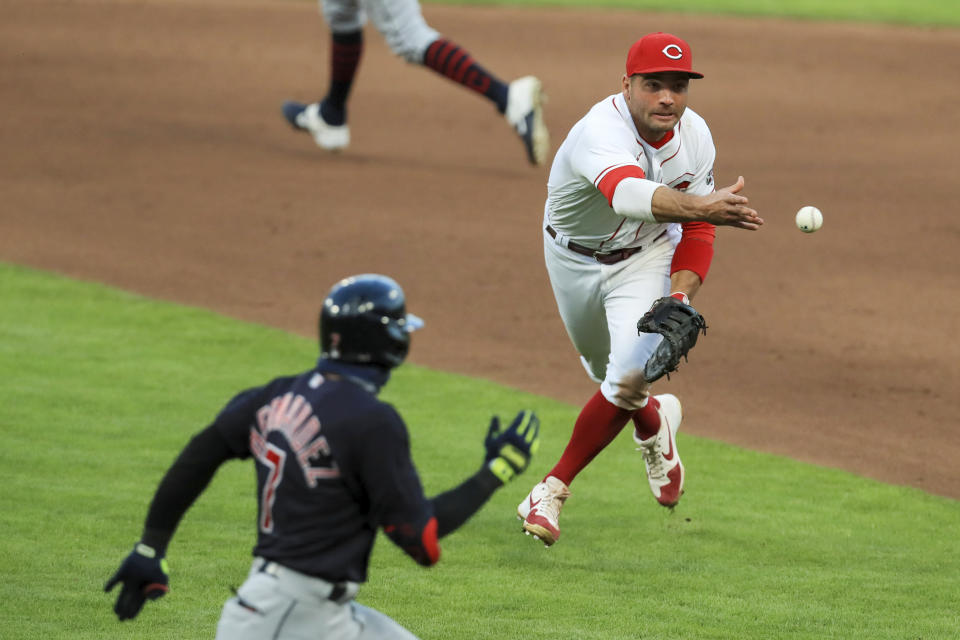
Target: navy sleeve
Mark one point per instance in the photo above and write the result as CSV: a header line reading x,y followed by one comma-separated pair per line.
x,y
397,500
412,522
183,483
228,437
454,507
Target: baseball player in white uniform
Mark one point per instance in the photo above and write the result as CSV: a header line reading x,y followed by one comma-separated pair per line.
x,y
629,218
410,37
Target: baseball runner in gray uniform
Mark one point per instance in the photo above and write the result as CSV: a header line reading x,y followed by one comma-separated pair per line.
x,y
409,36
333,467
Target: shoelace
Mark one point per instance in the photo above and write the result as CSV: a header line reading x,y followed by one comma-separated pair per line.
x,y
550,507
651,455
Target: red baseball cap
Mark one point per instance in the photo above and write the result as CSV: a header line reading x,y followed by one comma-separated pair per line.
x,y
658,52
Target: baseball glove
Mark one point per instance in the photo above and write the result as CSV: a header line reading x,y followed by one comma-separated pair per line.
x,y
680,325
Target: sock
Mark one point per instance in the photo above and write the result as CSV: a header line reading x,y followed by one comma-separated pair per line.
x,y
448,59
597,425
345,52
646,420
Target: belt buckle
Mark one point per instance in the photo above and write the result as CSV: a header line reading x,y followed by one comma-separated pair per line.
x,y
609,257
615,256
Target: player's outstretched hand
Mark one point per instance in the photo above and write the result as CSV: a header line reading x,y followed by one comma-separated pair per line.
x,y
144,575
727,207
509,450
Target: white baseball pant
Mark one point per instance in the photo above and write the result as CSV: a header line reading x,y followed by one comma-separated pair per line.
x,y
600,305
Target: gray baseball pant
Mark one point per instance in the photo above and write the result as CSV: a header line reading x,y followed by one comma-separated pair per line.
x,y
278,603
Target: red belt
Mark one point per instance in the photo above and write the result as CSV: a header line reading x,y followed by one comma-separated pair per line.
x,y
603,257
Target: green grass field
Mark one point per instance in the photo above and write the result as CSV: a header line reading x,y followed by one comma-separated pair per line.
x,y
102,388
916,12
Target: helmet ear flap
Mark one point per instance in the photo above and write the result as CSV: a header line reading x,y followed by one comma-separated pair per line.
x,y
364,321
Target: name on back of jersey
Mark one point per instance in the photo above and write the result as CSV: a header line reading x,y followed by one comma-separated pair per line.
x,y
292,415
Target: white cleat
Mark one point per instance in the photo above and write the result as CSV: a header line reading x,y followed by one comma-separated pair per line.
x,y
525,114
660,456
540,510
307,118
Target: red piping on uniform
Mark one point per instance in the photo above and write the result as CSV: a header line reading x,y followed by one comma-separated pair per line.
x,y
659,143
676,185
613,236
602,174
667,138
608,184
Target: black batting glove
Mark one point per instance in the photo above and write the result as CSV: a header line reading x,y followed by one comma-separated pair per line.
x,y
144,575
509,450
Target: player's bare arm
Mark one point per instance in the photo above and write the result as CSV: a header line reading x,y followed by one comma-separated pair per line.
x,y
686,282
724,207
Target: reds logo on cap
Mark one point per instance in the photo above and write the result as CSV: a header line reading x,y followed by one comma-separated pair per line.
x,y
660,52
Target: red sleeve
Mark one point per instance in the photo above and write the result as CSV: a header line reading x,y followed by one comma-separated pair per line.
x,y
695,251
608,179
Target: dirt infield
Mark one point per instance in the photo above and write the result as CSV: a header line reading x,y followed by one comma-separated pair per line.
x,y
143,147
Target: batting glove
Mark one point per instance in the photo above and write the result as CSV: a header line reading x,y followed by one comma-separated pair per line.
x,y
509,450
144,575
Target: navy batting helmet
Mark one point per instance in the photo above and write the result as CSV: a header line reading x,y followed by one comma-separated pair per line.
x,y
364,320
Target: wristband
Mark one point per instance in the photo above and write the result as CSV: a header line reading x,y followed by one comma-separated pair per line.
x,y
681,296
502,469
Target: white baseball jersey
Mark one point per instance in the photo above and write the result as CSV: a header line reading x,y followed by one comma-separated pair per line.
x,y
604,167
603,149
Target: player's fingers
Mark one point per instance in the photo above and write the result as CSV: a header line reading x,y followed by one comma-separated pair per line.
x,y
530,426
750,225
733,200
112,582
533,431
740,211
129,603
534,441
522,422
750,216
735,187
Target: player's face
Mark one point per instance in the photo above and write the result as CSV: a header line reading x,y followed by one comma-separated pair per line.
x,y
656,102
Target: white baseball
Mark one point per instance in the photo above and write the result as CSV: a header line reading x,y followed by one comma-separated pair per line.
x,y
809,219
